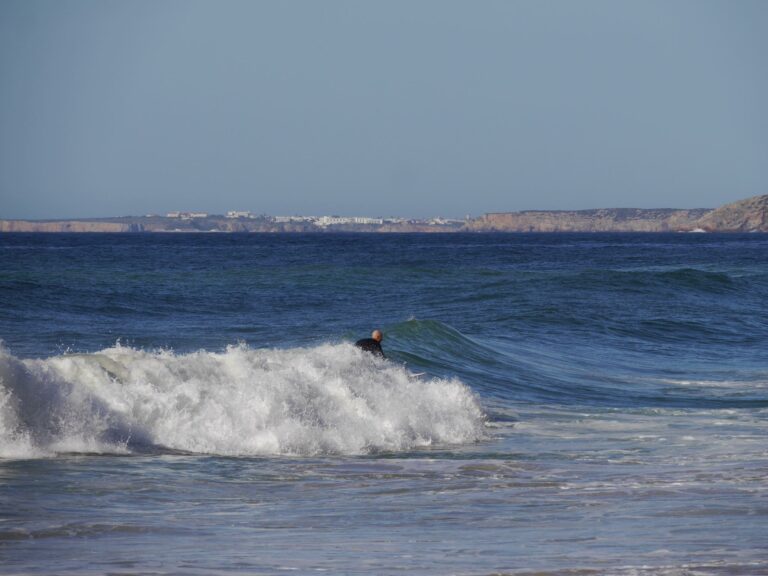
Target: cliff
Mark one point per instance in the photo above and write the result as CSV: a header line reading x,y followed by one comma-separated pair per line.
x,y
603,220
750,215
67,226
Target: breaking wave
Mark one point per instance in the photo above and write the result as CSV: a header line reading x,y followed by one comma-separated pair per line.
x,y
329,399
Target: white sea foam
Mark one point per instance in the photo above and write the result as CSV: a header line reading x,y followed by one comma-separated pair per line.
x,y
329,399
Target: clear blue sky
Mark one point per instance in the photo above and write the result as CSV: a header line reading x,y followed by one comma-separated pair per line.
x,y
413,107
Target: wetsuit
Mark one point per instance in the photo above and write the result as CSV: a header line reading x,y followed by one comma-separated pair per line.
x,y
370,345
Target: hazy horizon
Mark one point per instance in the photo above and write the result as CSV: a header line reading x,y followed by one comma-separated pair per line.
x,y
397,108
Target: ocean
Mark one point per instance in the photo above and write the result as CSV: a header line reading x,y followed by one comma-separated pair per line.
x,y
550,404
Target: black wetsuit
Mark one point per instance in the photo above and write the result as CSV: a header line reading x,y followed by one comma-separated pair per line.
x,y
370,345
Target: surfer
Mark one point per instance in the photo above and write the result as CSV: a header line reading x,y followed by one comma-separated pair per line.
x,y
372,344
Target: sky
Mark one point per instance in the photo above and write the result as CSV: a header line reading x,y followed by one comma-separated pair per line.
x,y
379,108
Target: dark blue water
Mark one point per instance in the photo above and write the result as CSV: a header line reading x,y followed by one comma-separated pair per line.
x,y
551,403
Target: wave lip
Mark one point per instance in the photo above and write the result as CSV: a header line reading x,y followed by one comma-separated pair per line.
x,y
330,399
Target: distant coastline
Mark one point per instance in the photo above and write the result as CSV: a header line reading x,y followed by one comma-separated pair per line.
x,y
750,215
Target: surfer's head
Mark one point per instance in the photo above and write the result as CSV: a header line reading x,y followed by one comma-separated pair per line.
x,y
377,335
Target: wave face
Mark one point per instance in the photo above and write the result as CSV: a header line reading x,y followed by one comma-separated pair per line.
x,y
329,399
592,371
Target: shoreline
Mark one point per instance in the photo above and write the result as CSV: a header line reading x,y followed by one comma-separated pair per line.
x,y
749,215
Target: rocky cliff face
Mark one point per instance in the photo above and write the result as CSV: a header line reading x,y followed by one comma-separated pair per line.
x,y
750,215
604,220
66,226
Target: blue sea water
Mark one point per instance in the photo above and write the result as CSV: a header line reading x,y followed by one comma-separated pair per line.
x,y
551,404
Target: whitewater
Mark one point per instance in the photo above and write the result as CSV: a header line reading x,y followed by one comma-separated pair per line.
x,y
551,404
330,399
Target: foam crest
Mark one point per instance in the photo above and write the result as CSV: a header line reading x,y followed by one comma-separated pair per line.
x,y
330,399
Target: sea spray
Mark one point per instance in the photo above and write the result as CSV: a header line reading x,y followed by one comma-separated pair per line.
x,y
329,399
